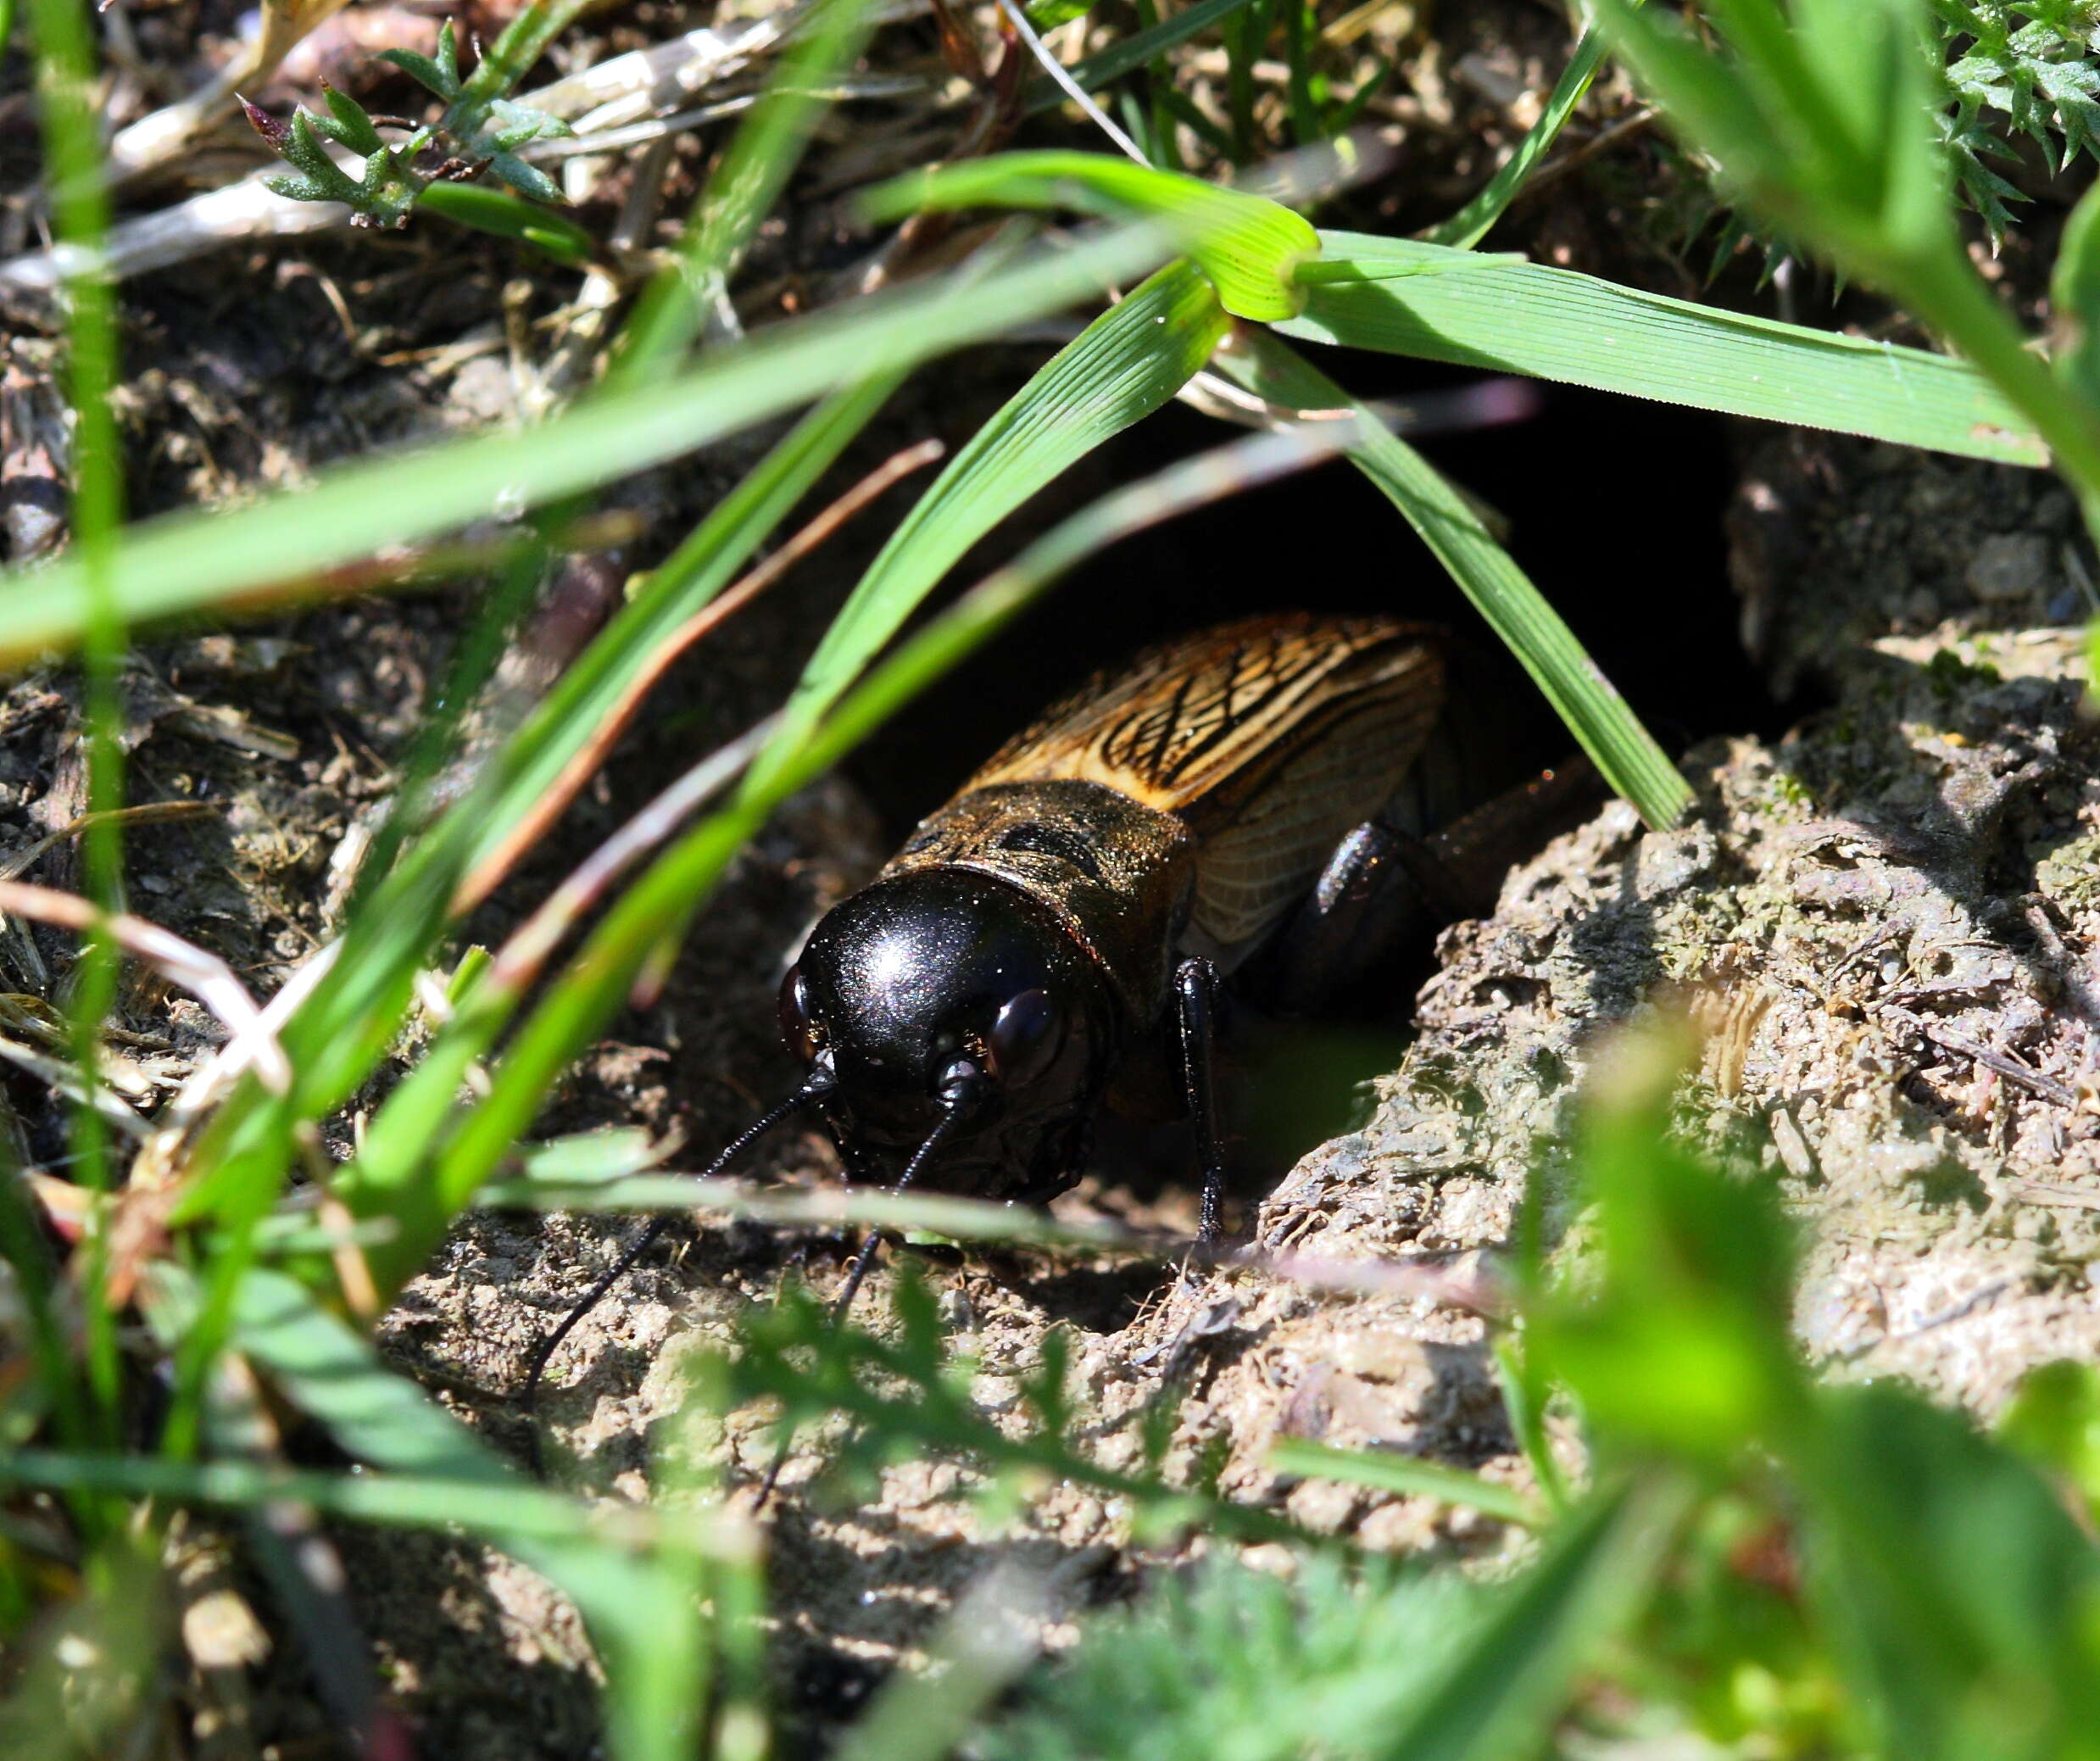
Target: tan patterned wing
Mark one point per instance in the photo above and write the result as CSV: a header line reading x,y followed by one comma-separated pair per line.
x,y
1270,738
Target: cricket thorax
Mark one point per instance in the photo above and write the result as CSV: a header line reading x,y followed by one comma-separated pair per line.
x,y
1117,874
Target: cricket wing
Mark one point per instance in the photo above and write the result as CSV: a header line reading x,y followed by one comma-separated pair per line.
x,y
1269,738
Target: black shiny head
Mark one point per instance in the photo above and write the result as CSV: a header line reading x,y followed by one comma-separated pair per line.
x,y
944,990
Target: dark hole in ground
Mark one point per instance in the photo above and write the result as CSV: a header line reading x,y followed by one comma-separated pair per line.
x,y
1615,509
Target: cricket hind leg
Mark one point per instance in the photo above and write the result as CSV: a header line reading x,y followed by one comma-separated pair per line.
x,y
1370,904
1368,927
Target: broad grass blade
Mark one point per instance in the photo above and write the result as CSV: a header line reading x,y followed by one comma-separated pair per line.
x,y
1513,317
1121,368
331,1373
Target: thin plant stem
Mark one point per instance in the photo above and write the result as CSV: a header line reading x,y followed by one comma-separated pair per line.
x,y
66,72
1954,302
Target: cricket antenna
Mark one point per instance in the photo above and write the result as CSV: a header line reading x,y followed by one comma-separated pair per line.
x,y
819,1083
962,1086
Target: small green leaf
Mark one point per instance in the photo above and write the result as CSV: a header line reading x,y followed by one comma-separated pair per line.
x,y
307,189
1048,15
526,180
519,123
440,76
389,191
303,151
351,124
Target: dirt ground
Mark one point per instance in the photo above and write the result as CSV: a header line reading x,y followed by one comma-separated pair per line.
x,y
1884,923
1883,920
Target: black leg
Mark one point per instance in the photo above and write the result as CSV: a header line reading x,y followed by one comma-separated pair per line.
x,y
1385,894
1196,994
1377,894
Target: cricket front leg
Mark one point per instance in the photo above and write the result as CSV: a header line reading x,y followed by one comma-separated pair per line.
x,y
1196,1004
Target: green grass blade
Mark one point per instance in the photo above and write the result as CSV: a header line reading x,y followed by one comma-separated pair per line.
x,y
468,672
690,577
1473,222
1129,54
352,1017
1509,317
642,1607
66,71
190,563
486,209
1595,714
502,1514
1842,155
740,194
26,1252
384,944
960,1219
2074,292
1121,368
1250,247
330,1372
1407,1475
1703,91
1509,1684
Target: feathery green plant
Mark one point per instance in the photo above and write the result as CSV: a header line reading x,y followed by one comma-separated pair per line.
x,y
2030,65
481,130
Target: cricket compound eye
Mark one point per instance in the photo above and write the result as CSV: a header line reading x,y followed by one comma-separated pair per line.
x,y
1025,1037
795,1026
